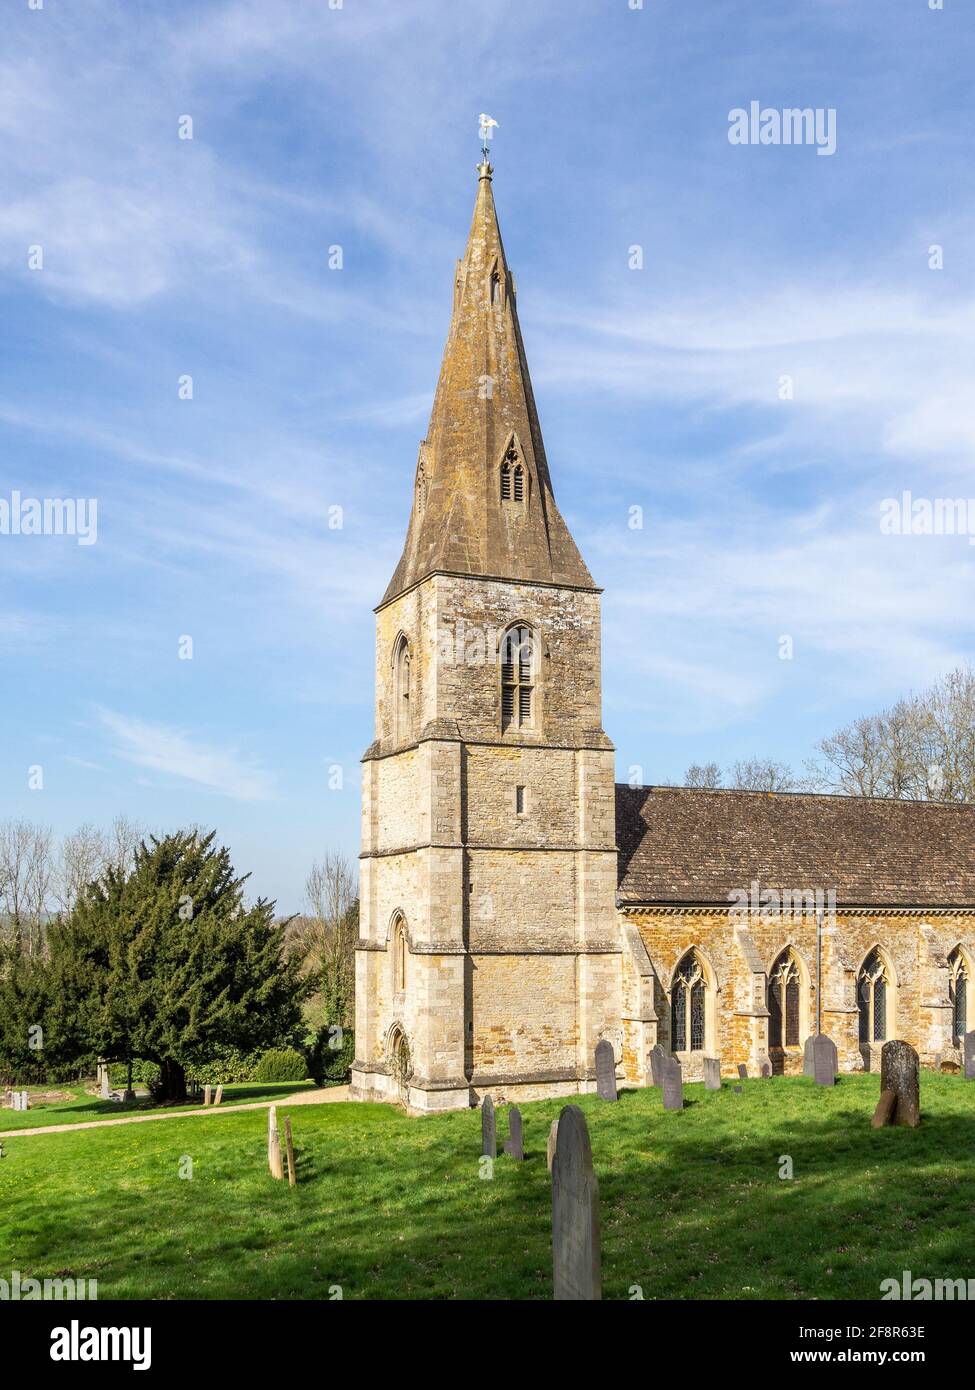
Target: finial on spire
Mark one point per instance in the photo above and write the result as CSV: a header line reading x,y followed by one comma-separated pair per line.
x,y
486,127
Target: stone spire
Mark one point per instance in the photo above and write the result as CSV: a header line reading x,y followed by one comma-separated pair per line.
x,y
483,415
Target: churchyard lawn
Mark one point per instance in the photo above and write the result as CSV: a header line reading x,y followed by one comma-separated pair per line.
x,y
692,1204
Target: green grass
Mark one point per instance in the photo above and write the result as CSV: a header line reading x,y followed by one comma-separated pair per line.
x,y
82,1106
692,1205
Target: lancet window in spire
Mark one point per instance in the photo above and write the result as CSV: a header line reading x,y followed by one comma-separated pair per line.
x,y
512,476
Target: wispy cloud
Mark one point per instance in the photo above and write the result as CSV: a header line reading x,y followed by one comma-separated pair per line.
x,y
173,753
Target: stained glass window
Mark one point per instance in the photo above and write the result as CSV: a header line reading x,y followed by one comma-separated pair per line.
x,y
958,994
697,1017
678,1020
792,1012
688,1006
775,1016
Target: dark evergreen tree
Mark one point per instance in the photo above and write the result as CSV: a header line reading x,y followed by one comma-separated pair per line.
x,y
166,963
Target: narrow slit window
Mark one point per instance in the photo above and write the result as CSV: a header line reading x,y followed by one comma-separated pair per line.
x,y
506,482
519,484
520,801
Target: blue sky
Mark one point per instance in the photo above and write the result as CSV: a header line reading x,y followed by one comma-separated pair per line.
x,y
659,388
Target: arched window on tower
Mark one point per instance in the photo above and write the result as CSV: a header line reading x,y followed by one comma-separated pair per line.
x,y
401,690
400,948
518,678
513,481
874,998
959,992
689,1005
785,1001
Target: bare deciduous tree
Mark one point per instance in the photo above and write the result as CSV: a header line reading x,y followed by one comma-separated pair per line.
x,y
763,775
330,890
26,872
707,776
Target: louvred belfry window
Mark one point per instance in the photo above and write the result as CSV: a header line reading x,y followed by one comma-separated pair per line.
x,y
517,679
512,476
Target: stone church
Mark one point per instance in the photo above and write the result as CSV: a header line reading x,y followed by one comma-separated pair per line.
x,y
517,905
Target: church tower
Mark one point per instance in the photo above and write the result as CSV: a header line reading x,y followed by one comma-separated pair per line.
x,y
489,955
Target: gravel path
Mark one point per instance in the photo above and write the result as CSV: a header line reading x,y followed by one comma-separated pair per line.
x,y
320,1097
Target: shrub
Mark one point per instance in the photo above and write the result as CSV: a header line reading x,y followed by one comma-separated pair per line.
x,y
330,1052
281,1064
143,1073
226,1064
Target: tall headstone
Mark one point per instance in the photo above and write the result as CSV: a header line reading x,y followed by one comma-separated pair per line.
x,y
808,1061
489,1137
605,1070
970,1056
553,1135
900,1073
219,1096
673,1087
206,1094
657,1055
576,1272
514,1144
103,1087
742,1072
290,1151
712,1074
824,1060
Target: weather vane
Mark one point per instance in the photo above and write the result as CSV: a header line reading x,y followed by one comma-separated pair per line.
x,y
486,125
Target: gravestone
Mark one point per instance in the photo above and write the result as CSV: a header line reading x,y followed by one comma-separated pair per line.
x,y
576,1273
553,1135
605,1070
765,1069
970,1056
489,1137
899,1073
219,1096
739,1090
884,1113
808,1062
673,1088
104,1091
206,1094
742,1072
824,1060
657,1056
712,1074
514,1144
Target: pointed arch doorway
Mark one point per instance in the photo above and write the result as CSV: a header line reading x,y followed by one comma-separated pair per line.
x,y
400,1066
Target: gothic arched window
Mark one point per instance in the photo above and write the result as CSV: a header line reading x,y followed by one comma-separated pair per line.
x,y
785,1001
401,690
689,1005
959,977
874,997
517,678
400,949
512,476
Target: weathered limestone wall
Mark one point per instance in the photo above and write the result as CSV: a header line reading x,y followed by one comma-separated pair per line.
x,y
915,943
514,971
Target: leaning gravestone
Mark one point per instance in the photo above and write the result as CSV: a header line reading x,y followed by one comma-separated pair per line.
x,y
884,1113
824,1060
899,1073
553,1135
742,1072
219,1096
576,1271
657,1057
712,1074
514,1144
970,1056
489,1136
672,1085
605,1070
